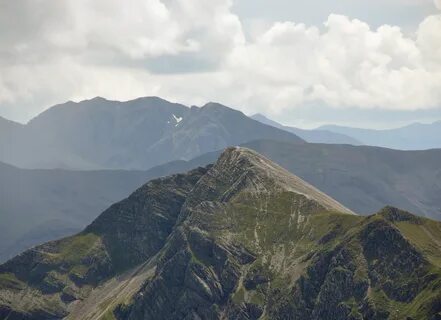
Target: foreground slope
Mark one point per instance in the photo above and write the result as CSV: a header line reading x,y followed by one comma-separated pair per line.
x,y
242,239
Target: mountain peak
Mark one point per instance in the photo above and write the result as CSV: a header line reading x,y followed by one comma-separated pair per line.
x,y
218,107
98,99
393,214
9,123
212,104
263,119
241,169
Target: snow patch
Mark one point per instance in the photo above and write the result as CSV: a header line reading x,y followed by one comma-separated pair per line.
x,y
177,119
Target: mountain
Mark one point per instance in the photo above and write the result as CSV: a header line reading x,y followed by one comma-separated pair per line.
x,y
138,134
8,126
363,178
41,205
312,136
240,239
416,136
9,130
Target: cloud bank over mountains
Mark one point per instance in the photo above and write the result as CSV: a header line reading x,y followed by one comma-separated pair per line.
x,y
194,52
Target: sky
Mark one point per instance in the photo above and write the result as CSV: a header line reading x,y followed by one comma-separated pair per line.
x,y
351,62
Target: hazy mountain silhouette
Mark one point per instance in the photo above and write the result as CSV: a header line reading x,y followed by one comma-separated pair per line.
x,y
313,136
415,136
41,205
137,134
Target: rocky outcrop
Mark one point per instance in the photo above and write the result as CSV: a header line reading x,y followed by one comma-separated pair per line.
x,y
350,281
136,228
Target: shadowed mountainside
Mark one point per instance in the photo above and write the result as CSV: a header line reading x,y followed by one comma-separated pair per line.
x,y
41,205
138,134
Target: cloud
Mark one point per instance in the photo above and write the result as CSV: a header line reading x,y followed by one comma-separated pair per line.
x,y
194,52
106,30
68,49
429,41
347,64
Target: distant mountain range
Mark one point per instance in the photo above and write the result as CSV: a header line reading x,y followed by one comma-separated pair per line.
x,y
240,239
312,136
416,136
42,205
138,134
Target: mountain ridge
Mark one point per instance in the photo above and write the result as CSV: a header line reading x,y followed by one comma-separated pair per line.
x,y
137,134
240,157
364,178
230,241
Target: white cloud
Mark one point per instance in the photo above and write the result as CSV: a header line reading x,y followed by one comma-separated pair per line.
x,y
76,49
346,65
429,41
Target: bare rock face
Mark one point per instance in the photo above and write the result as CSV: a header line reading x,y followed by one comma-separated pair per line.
x,y
241,239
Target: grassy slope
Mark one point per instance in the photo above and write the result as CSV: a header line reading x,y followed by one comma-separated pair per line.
x,y
284,240
32,289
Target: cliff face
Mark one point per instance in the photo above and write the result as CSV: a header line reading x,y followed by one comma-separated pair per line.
x,y
242,239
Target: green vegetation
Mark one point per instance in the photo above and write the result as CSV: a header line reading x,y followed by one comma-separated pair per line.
x,y
426,237
9,280
108,316
239,296
73,249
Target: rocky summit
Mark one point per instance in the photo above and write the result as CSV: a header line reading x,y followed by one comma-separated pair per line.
x,y
240,239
